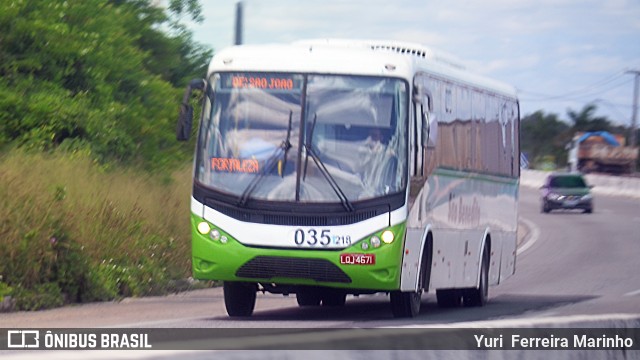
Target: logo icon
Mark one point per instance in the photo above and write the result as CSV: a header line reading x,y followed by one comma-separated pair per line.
x,y
21,339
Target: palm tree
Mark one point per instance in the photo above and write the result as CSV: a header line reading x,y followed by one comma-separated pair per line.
x,y
586,121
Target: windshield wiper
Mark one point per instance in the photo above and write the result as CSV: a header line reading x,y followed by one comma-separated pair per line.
x,y
286,145
269,165
308,146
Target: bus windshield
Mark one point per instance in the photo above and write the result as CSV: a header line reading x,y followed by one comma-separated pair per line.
x,y
303,137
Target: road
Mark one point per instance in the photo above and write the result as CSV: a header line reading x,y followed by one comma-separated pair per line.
x,y
573,265
579,263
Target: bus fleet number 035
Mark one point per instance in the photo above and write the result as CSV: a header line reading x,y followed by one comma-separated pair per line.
x,y
322,237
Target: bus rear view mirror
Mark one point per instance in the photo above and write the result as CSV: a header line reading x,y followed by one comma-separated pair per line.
x,y
185,116
185,119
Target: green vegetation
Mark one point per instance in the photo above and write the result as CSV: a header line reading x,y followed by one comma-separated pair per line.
x,y
97,74
4,290
91,207
72,232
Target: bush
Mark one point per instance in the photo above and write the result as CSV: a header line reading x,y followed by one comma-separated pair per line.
x,y
38,297
72,231
5,290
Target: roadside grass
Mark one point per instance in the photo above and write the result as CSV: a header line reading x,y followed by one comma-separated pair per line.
x,y
74,231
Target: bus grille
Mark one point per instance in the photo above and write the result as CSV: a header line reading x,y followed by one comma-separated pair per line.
x,y
272,218
268,267
318,220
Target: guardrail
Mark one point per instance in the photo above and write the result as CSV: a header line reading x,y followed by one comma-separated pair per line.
x,y
603,184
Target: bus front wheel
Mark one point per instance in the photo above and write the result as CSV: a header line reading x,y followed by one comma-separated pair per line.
x,y
309,297
405,304
334,298
239,298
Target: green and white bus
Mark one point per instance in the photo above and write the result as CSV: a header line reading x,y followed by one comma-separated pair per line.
x,y
325,168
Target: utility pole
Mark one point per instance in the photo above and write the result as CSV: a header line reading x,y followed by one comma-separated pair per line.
x,y
238,29
634,115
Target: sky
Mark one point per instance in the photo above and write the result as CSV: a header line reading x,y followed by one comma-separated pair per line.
x,y
559,54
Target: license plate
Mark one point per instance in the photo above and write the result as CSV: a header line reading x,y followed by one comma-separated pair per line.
x,y
357,259
570,203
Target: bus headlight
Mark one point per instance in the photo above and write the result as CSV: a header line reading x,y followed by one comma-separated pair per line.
x,y
375,241
215,234
204,227
387,237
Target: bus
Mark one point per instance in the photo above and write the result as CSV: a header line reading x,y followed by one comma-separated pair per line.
x,y
327,168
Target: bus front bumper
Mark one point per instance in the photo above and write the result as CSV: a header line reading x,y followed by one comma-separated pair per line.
x,y
377,269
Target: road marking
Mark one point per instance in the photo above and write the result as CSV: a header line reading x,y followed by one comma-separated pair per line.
x,y
633,293
152,324
534,233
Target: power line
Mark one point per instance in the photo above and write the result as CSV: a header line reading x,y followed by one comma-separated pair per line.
x,y
612,106
606,81
576,95
602,91
600,82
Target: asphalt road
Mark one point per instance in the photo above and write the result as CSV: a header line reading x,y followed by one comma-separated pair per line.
x,y
580,264
571,266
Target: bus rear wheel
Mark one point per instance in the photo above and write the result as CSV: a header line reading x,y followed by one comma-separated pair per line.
x,y
479,296
449,298
239,298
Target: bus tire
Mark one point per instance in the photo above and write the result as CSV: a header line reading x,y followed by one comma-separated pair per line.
x,y
239,298
479,296
308,298
425,271
405,304
449,298
334,298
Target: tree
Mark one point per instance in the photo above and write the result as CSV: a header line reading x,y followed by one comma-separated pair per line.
x,y
173,53
585,120
541,137
96,74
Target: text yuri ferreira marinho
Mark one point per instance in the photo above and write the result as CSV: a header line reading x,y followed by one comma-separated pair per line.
x,y
551,341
